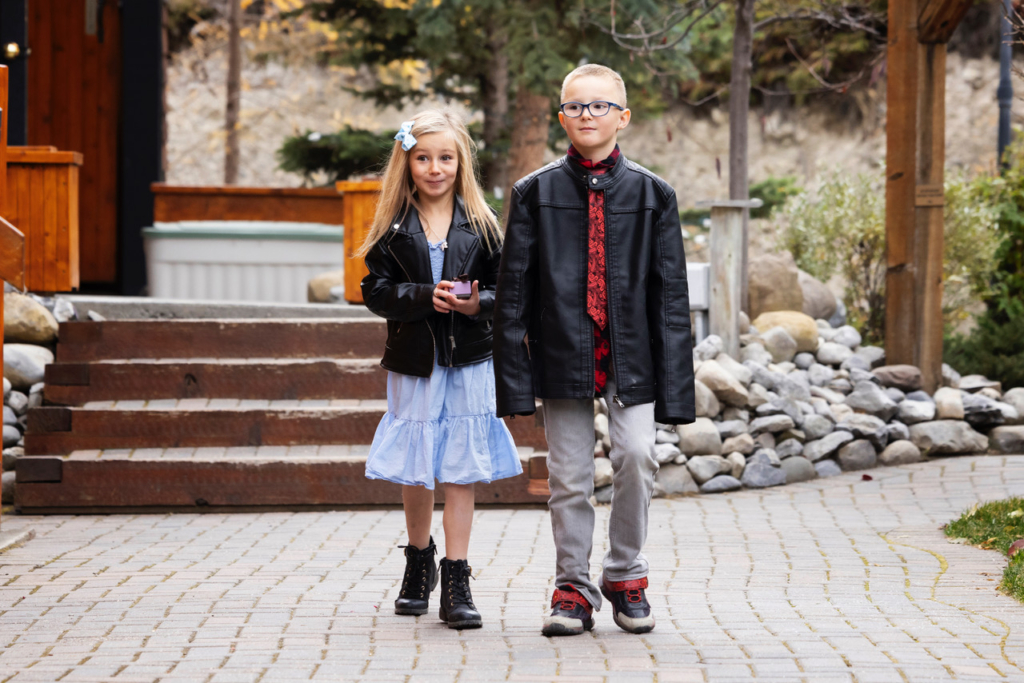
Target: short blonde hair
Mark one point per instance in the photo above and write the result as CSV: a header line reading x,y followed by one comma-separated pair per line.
x,y
595,70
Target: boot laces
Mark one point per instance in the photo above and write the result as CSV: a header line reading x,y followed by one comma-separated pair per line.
x,y
458,582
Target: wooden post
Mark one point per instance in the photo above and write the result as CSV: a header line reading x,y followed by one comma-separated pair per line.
x,y
727,247
357,211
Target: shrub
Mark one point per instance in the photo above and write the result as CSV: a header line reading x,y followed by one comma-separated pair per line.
x,y
993,348
350,151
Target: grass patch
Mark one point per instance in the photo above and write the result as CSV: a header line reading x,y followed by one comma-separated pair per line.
x,y
994,526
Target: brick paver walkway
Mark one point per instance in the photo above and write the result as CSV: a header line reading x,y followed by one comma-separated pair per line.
x,y
834,580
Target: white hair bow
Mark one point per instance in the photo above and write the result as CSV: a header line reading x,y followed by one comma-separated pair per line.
x,y
406,136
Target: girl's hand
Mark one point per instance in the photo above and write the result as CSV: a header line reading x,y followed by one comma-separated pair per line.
x,y
445,301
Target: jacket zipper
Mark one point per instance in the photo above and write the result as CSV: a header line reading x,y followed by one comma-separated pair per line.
x,y
608,288
433,341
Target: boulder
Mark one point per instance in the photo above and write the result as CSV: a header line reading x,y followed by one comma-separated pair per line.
x,y
981,411
866,427
780,344
26,321
676,480
816,426
857,455
801,328
827,468
1015,397
706,467
874,355
950,377
767,456
991,393
11,436
711,346
1008,440
721,484
847,336
24,364
897,431
831,353
760,475
755,353
789,448
602,472
699,438
738,463
912,412
318,290
706,401
774,284
726,388
771,424
903,377
798,469
826,446
1010,414
730,428
900,453
744,443
948,404
895,394
819,301
973,383
869,398
947,437
666,452
734,368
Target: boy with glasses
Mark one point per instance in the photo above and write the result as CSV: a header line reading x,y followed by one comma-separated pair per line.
x,y
592,301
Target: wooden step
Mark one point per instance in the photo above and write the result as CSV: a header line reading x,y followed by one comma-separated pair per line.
x,y
212,479
279,338
74,384
61,430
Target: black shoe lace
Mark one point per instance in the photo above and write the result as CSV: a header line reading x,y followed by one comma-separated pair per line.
x,y
416,573
459,584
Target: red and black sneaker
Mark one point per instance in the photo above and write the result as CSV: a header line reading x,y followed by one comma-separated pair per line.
x,y
630,608
571,614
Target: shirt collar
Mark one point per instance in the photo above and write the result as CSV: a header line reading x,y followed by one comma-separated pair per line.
x,y
608,162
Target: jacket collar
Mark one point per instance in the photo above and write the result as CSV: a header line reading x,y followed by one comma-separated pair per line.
x,y
600,181
410,223
407,241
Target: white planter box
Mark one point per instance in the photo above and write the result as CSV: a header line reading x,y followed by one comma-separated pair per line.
x,y
239,260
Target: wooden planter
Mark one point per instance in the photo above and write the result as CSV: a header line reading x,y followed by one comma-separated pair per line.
x,y
42,202
359,206
173,203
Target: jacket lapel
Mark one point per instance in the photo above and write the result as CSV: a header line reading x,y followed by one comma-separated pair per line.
x,y
461,240
408,244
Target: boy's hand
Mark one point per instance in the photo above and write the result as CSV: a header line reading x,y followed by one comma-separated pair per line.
x,y
445,301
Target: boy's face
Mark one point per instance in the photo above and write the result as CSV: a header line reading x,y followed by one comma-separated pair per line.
x,y
592,135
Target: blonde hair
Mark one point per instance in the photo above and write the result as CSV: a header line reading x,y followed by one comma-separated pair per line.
x,y
595,70
398,193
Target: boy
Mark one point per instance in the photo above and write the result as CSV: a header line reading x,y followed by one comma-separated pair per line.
x,y
592,300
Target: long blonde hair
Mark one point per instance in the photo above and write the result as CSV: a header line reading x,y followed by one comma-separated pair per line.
x,y
398,193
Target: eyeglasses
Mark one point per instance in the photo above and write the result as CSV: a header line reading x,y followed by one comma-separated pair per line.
x,y
574,110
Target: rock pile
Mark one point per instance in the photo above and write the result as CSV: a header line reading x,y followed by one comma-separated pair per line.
x,y
30,333
807,400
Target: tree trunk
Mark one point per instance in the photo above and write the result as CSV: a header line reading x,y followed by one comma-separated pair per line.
x,y
739,108
234,93
494,86
529,137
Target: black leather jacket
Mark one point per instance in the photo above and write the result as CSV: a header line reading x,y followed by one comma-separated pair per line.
x,y
542,292
400,288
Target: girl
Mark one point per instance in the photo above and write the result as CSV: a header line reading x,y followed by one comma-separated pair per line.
x,y
432,236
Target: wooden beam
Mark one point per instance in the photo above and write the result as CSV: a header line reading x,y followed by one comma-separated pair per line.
x,y
937,19
900,180
12,255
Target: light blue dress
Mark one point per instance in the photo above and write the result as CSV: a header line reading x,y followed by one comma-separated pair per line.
x,y
442,427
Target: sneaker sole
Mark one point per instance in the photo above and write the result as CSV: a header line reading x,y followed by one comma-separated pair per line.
x,y
560,626
631,625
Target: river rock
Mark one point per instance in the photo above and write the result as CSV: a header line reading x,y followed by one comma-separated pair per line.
x,y
948,404
11,456
742,443
827,468
699,438
602,472
730,428
912,412
7,480
706,402
868,397
676,480
816,426
765,440
1015,397
826,446
767,456
705,467
950,377
874,355
726,388
866,427
734,368
738,462
721,484
711,346
774,284
819,375
24,364
760,475
758,395
733,413
666,452
755,353
847,336
26,321
900,453
819,301
797,469
903,377
795,387
666,436
9,417
897,431
972,383
318,289
981,412
1010,414
11,436
780,344
855,362
7,388
831,353
601,425
804,360
771,424
789,448
18,403
947,437
800,327
857,455
895,394
763,376
1008,440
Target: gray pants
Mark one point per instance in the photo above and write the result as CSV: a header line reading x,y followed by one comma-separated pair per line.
x,y
569,426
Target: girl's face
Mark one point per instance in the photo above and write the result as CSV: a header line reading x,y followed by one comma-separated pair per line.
x,y
433,164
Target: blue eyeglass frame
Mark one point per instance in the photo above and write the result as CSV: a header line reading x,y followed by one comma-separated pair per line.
x,y
586,107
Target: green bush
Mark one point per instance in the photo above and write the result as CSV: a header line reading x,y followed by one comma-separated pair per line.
x,y
350,151
993,348
773,192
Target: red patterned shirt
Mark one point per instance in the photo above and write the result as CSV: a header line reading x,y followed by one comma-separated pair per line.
x,y
597,278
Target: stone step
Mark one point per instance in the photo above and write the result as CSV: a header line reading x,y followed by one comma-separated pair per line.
x,y
279,338
191,479
200,379
131,425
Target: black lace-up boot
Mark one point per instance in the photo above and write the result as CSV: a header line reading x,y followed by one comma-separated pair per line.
x,y
457,606
420,578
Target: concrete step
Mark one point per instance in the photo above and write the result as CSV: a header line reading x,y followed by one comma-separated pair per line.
x,y
197,479
74,384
